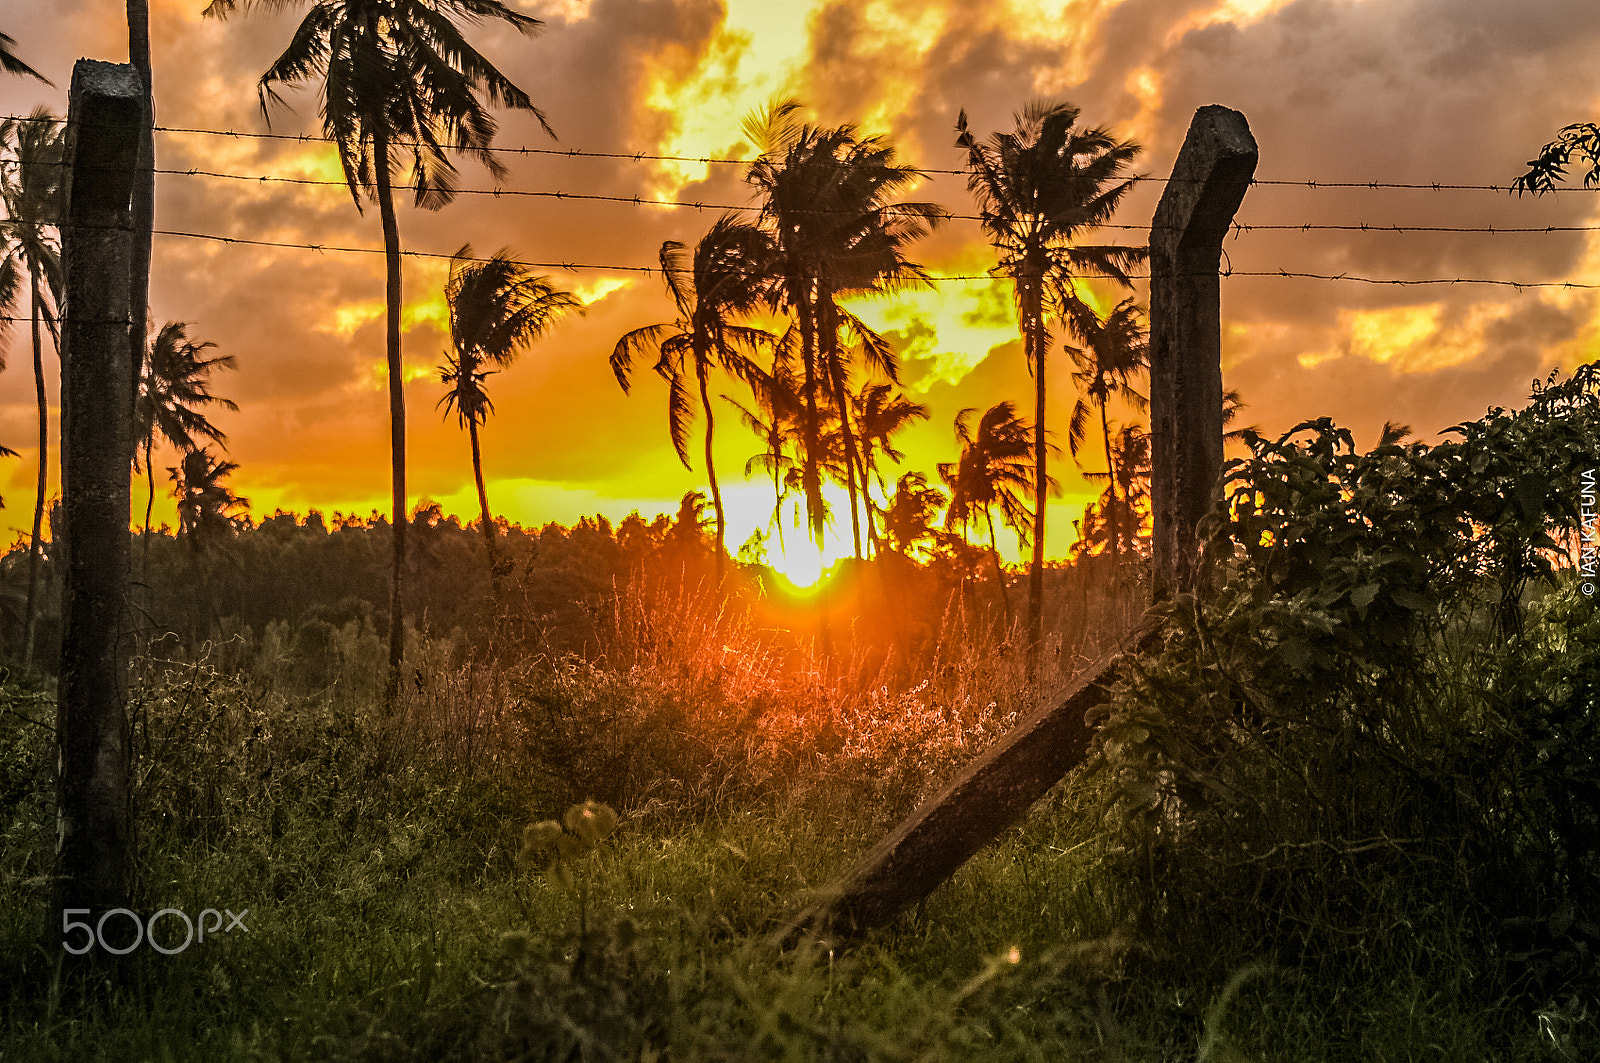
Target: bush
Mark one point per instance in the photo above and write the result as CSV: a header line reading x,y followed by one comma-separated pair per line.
x,y
1371,698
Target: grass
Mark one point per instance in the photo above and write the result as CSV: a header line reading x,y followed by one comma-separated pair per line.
x,y
393,916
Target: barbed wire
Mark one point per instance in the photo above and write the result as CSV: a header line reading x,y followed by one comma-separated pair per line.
x,y
642,156
1238,228
642,200
573,267
568,266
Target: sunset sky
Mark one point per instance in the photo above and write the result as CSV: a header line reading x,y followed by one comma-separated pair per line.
x,y
1394,91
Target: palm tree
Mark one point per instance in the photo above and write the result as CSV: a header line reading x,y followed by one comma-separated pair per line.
x,y
30,188
398,78
1040,187
685,539
993,470
1115,350
727,278
1232,403
173,385
204,501
908,518
497,307
1393,431
826,200
775,421
880,414
12,65
1127,487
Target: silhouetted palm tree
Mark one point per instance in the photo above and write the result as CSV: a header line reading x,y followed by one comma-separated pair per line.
x,y
1119,508
30,188
881,413
1116,349
497,307
826,198
204,501
398,79
12,65
775,422
173,385
1040,188
993,470
728,277
1231,405
908,518
1393,431
685,540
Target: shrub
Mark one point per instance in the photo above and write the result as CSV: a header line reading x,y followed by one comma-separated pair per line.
x,y
1367,694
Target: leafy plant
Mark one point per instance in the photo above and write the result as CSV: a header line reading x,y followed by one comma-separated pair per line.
x,y
1371,689
587,827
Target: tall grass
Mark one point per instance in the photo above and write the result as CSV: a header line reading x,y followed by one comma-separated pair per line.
x,y
395,916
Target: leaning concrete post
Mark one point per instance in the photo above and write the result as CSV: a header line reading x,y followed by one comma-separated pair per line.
x,y
1208,184
982,800
104,128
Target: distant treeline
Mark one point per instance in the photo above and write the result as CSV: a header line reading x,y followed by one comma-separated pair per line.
x,y
311,577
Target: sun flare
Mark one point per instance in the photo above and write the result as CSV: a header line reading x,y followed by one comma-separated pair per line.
x,y
799,562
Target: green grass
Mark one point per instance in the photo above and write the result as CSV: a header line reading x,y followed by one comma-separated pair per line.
x,y
390,942
392,918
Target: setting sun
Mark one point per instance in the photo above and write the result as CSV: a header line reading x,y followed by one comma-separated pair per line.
x,y
801,563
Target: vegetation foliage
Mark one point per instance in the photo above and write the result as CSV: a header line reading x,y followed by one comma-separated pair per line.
x,y
1348,807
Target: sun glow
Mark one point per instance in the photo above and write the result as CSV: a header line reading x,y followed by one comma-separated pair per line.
x,y
793,553
800,563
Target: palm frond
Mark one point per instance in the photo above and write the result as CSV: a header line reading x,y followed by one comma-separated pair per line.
x,y
680,416
13,65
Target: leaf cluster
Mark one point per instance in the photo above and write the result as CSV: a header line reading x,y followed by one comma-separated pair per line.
x,y
1371,684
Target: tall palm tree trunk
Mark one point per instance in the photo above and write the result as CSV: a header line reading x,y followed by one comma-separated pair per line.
x,y
999,573
810,477
30,610
711,469
869,461
490,533
1114,523
851,463
150,494
777,509
828,342
397,413
1034,313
